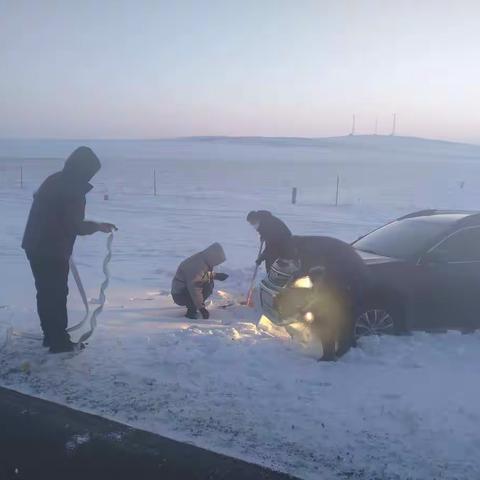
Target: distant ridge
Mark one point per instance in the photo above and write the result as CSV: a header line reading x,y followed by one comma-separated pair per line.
x,y
361,148
347,139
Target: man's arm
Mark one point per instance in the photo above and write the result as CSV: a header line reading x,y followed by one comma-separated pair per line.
x,y
261,258
75,219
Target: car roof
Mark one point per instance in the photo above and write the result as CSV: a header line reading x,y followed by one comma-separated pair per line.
x,y
444,216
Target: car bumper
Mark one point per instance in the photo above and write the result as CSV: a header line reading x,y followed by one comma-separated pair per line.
x,y
267,301
268,294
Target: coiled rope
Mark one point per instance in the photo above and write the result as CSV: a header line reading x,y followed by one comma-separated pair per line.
x,y
101,296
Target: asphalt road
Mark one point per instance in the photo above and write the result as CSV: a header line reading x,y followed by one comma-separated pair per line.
x,y
42,440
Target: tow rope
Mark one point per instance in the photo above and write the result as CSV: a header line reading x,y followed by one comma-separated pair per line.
x,y
101,296
83,296
78,281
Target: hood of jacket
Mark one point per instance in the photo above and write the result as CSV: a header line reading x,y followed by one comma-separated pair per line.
x,y
81,165
214,255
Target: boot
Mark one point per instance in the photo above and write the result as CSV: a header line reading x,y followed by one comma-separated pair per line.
x,y
46,341
191,313
67,346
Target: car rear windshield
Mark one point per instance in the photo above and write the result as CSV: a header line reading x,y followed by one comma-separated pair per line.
x,y
403,239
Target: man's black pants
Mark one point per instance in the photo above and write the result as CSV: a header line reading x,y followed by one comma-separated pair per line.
x,y
51,282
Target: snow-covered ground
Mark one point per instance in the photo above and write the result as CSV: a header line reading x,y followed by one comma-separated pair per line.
x,y
395,408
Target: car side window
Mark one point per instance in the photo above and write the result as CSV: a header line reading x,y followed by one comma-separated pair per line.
x,y
463,246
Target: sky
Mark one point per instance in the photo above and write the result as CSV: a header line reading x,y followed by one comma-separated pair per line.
x,y
154,69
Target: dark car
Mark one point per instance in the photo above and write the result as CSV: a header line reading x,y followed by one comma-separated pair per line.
x,y
424,274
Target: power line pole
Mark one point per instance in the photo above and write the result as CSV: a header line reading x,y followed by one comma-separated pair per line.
x,y
353,125
394,126
338,190
376,125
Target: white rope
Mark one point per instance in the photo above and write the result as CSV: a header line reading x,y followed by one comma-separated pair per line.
x,y
83,295
9,332
78,281
101,297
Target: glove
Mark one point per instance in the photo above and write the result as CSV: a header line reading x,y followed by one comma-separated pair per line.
x,y
258,261
106,227
221,277
204,313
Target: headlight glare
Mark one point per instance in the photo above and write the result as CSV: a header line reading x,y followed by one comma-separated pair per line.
x,y
303,282
309,317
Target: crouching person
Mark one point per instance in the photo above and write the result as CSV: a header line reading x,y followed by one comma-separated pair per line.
x,y
194,281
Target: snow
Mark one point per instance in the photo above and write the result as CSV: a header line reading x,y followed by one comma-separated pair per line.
x,y
394,408
75,441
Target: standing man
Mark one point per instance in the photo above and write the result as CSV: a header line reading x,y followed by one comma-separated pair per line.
x,y
56,217
274,233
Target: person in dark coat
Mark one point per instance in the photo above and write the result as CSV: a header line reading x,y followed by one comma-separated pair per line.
x,y
343,266
56,217
274,233
340,279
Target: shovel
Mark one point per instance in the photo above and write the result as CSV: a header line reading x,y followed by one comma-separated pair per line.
x,y
249,301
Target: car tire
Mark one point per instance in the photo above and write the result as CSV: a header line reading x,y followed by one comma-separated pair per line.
x,y
376,312
376,319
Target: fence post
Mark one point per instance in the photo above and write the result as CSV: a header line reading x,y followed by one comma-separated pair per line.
x,y
338,185
294,195
21,176
154,182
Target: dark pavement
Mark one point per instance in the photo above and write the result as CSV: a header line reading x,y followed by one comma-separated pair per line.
x,y
42,440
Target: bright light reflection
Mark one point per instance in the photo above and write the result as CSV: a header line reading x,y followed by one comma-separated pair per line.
x,y
304,282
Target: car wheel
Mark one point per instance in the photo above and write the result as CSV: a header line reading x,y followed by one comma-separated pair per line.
x,y
374,321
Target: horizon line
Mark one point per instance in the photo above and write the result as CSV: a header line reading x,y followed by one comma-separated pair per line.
x,y
238,137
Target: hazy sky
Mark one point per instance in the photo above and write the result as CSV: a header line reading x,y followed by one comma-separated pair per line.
x,y
145,68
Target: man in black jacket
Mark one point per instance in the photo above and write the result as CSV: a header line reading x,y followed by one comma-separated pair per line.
x,y
56,217
340,281
274,233
343,267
